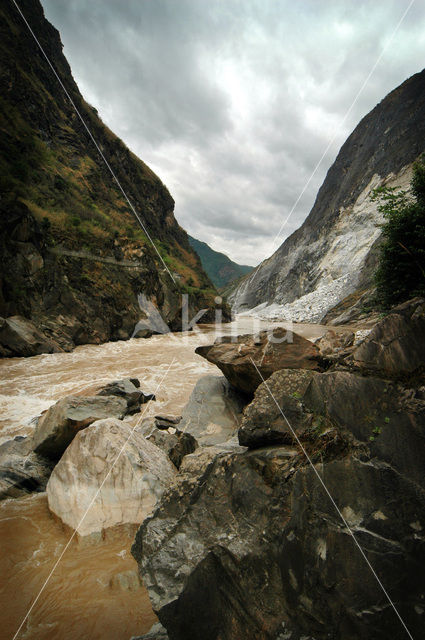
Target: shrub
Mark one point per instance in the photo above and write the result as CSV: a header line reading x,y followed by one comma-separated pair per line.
x,y
401,269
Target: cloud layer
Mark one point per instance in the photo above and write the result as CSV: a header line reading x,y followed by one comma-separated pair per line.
x,y
234,102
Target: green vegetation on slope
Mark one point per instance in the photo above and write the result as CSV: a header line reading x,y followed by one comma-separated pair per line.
x,y
401,269
220,269
58,196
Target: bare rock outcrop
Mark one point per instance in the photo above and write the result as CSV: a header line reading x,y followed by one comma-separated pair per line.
x,y
57,427
263,423
213,412
396,344
20,337
21,470
109,475
248,544
270,350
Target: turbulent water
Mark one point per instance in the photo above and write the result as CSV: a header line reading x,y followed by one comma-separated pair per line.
x,y
84,598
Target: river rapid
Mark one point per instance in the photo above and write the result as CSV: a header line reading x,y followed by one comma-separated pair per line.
x,y
88,596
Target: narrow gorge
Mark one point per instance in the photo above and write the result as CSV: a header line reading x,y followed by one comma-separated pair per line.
x,y
192,448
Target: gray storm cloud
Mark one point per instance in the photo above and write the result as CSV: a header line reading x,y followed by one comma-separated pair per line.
x,y
233,103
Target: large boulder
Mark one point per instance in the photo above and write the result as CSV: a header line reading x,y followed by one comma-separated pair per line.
x,y
21,470
387,417
396,344
60,423
263,423
213,412
270,350
20,337
255,549
109,475
128,388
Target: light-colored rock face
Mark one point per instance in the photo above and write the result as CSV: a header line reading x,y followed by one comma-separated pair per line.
x,y
213,411
334,252
109,475
58,426
335,259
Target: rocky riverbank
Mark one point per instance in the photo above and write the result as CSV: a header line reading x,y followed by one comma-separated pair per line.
x,y
248,543
238,538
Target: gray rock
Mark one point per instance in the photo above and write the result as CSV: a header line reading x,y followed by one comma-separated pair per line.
x,y
246,544
395,345
256,543
20,337
213,412
376,412
113,471
60,423
263,423
176,445
21,470
127,388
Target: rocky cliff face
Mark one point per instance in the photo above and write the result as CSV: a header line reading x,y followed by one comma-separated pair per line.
x,y
334,251
249,545
74,257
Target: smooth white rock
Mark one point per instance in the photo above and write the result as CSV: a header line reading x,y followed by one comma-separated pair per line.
x,y
108,475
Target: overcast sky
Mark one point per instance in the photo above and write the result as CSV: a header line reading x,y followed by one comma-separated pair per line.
x,y
233,102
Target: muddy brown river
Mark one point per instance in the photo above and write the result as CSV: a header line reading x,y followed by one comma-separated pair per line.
x,y
93,593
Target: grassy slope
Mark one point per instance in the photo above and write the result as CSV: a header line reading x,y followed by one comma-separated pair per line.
x,y
219,267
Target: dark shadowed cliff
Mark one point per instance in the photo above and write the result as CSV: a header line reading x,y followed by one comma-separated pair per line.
x,y
73,256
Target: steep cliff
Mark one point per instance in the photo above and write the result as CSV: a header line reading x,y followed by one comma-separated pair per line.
x,y
74,257
334,251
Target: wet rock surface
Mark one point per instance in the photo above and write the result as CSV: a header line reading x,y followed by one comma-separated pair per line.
x,y
128,388
21,470
270,350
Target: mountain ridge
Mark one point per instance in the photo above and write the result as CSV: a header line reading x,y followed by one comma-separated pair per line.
x,y
341,233
219,267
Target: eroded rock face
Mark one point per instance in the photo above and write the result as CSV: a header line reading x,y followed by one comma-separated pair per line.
x,y
271,351
389,418
254,549
213,412
336,240
21,470
263,424
247,544
58,426
396,344
139,474
20,337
